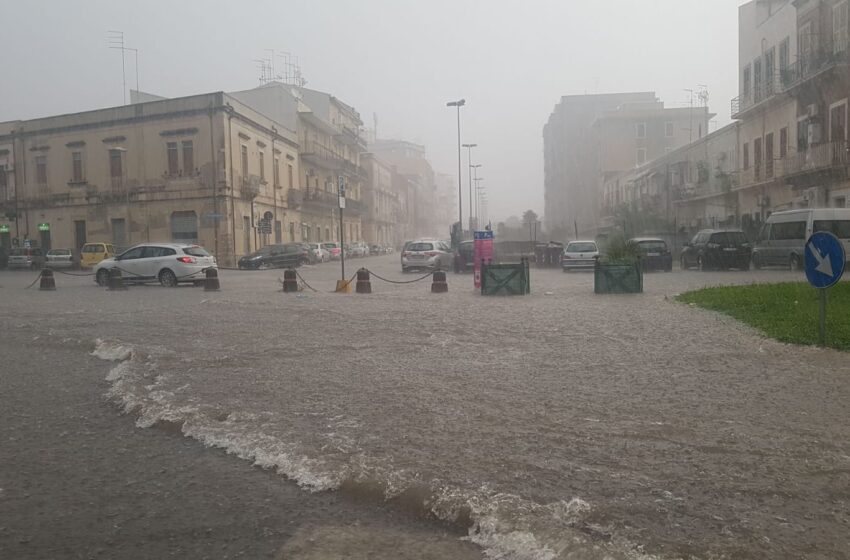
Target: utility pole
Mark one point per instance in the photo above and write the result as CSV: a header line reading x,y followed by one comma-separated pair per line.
x,y
459,103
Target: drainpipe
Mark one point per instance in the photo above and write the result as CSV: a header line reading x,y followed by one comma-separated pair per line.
x,y
17,185
214,182
230,157
275,178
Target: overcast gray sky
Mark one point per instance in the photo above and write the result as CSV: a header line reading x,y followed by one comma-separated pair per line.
x,y
401,59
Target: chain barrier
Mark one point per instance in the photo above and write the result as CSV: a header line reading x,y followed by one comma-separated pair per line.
x,y
400,281
37,278
298,274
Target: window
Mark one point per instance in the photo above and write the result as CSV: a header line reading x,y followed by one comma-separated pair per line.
x,y
805,46
839,228
188,157
784,60
77,167
769,71
768,155
244,161
184,226
757,84
277,173
747,81
262,166
783,143
3,183
278,231
134,253
785,231
173,163
669,130
289,175
158,252
838,122
116,170
757,157
746,156
839,27
41,170
641,156
640,129
119,232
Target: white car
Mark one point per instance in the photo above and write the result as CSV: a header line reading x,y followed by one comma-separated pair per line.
x,y
320,253
166,263
426,254
579,255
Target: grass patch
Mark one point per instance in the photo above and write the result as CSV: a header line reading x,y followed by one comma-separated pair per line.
x,y
787,312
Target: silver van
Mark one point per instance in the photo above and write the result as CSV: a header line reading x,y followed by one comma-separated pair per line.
x,y
782,239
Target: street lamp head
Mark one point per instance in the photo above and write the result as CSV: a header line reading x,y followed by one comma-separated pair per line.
x,y
476,166
458,103
470,145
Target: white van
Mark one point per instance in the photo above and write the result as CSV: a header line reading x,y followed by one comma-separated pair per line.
x,y
782,239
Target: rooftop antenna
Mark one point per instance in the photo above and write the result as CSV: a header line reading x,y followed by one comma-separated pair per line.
x,y
375,124
292,71
115,40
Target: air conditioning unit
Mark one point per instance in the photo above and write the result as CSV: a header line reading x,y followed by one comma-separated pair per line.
x,y
814,135
813,110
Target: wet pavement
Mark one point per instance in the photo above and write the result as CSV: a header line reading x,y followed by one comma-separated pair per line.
x,y
557,425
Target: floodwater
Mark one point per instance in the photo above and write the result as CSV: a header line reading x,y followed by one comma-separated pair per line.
x,y
554,426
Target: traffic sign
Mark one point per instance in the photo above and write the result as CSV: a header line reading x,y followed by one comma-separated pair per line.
x,y
264,227
824,259
342,202
341,183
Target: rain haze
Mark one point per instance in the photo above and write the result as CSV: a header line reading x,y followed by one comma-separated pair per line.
x,y
511,61
240,318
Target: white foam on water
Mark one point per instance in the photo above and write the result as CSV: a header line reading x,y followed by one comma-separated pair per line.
x,y
505,526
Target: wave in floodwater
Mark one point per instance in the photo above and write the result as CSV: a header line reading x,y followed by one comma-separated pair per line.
x,y
505,526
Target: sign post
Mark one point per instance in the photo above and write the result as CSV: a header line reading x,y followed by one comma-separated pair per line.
x,y
825,262
341,234
482,251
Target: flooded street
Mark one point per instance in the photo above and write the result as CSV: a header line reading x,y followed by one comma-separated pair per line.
x,y
558,425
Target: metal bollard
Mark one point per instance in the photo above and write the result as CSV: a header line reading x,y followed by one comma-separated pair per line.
x,y
290,280
48,282
115,281
211,283
438,282
364,283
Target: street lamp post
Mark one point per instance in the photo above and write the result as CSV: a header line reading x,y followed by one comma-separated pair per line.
x,y
459,103
469,159
473,186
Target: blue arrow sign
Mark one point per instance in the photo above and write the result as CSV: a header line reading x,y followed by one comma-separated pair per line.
x,y
824,260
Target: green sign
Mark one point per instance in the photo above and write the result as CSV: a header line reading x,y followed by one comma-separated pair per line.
x,y
44,227
4,228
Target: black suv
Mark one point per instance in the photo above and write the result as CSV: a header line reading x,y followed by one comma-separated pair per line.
x,y
719,249
276,256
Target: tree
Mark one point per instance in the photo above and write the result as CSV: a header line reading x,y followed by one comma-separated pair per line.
x,y
529,217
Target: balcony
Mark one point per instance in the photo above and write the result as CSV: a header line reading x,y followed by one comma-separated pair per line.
x,y
818,63
818,164
317,200
760,94
351,137
322,156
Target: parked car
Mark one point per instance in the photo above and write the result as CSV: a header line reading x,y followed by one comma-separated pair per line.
x,y
358,249
782,239
166,263
464,258
305,253
655,254
29,258
579,255
376,249
276,256
426,254
319,252
333,249
93,253
717,249
60,258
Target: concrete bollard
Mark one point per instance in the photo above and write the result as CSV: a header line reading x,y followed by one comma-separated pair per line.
x,y
364,282
290,280
211,283
438,282
48,282
115,281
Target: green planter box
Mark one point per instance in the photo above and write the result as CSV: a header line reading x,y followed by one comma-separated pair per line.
x,y
626,278
505,279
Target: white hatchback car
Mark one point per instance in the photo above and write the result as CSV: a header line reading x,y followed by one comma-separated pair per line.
x,y
579,255
166,263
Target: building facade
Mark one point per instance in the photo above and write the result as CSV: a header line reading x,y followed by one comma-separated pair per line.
x,y
380,204
201,169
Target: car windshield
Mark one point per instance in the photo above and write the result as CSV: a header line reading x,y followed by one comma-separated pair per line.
x,y
580,247
418,247
329,245
652,246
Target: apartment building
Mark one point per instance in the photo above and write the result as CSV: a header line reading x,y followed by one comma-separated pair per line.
x,y
380,203
202,169
330,146
592,138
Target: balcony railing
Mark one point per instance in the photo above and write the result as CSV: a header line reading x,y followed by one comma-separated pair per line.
x,y
323,156
817,158
760,93
809,66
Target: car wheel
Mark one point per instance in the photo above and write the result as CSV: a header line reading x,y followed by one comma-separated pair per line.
x,y
167,278
102,277
794,262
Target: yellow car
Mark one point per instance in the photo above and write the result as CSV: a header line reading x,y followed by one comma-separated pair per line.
x,y
93,253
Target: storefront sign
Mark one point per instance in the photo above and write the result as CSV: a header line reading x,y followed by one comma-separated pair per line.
x,y
44,227
4,228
